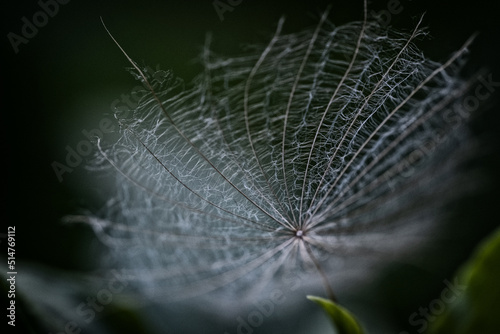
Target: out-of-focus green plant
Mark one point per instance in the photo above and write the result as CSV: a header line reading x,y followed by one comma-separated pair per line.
x,y
343,320
477,310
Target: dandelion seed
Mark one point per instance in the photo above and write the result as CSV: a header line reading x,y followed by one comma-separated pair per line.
x,y
315,155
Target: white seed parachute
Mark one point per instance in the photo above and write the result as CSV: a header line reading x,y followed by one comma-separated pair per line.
x,y
323,154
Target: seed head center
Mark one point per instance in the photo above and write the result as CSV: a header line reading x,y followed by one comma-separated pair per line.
x,y
299,233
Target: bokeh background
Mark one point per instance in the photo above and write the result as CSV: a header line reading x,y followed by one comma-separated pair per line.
x,y
65,79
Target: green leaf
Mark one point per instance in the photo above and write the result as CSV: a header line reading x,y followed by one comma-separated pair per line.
x,y
477,309
343,320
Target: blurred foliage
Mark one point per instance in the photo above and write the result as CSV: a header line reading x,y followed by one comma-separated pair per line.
x,y
477,309
343,320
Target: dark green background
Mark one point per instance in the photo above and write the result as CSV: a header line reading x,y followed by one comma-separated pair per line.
x,y
65,79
